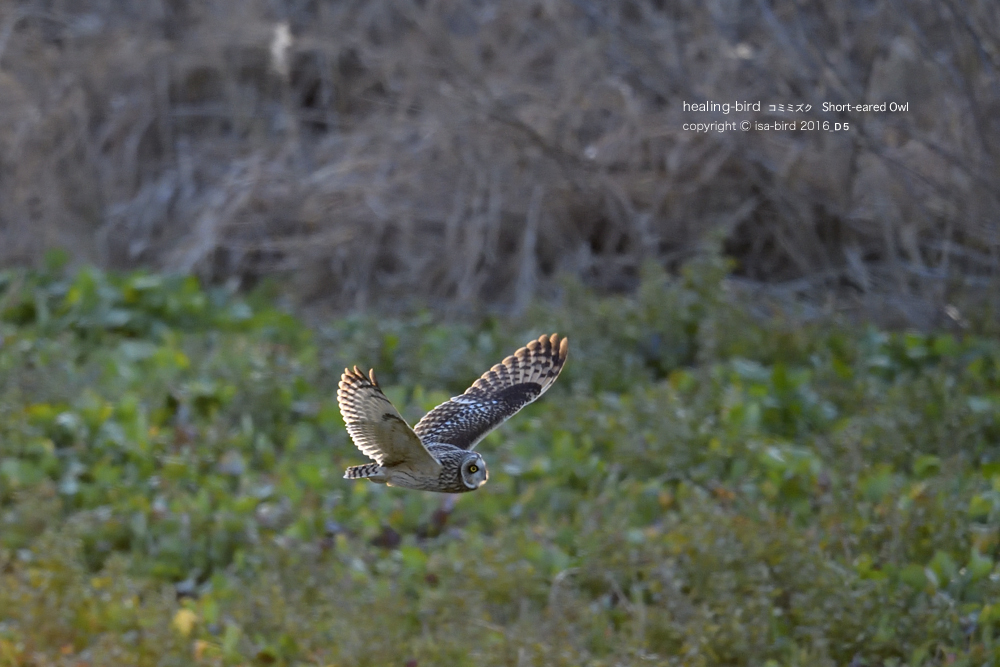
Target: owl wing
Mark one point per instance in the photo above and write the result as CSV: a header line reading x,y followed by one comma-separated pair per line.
x,y
496,396
376,427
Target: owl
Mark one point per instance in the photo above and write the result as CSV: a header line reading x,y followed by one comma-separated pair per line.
x,y
437,454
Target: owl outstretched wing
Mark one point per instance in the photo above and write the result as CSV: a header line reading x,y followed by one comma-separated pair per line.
x,y
496,396
375,425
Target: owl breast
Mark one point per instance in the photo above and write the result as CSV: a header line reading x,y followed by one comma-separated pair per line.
x,y
449,478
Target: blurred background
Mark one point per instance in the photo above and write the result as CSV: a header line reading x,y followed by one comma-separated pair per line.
x,y
469,151
775,441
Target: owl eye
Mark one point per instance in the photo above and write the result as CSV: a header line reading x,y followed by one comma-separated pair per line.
x,y
473,468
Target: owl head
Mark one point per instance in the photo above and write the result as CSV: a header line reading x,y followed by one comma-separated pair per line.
x,y
473,471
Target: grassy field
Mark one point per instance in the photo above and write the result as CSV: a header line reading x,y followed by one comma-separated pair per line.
x,y
701,487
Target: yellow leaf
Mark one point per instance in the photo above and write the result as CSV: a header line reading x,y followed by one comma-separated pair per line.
x,y
184,621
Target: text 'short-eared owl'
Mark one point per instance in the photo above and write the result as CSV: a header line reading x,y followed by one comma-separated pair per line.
x,y
436,454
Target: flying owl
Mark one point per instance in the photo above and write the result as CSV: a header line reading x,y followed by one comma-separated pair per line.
x,y
437,454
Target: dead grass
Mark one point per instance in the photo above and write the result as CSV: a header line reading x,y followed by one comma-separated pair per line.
x,y
469,152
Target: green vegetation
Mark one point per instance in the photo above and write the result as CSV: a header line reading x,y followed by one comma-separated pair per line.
x,y
700,488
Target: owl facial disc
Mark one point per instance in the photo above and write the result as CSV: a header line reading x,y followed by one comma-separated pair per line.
x,y
473,471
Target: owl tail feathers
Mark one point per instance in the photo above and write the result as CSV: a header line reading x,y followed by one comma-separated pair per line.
x,y
368,470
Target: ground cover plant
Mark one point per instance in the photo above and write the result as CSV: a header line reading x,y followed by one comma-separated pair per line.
x,y
702,487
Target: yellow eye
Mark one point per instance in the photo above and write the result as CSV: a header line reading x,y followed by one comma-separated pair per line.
x,y
473,468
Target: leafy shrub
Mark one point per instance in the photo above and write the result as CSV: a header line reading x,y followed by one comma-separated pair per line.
x,y
702,487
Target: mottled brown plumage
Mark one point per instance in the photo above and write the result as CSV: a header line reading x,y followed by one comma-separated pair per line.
x,y
497,395
437,455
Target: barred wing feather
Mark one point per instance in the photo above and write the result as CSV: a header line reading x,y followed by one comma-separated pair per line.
x,y
375,425
497,395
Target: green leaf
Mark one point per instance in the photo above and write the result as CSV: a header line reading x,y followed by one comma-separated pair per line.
x,y
979,566
943,565
230,639
926,466
913,575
